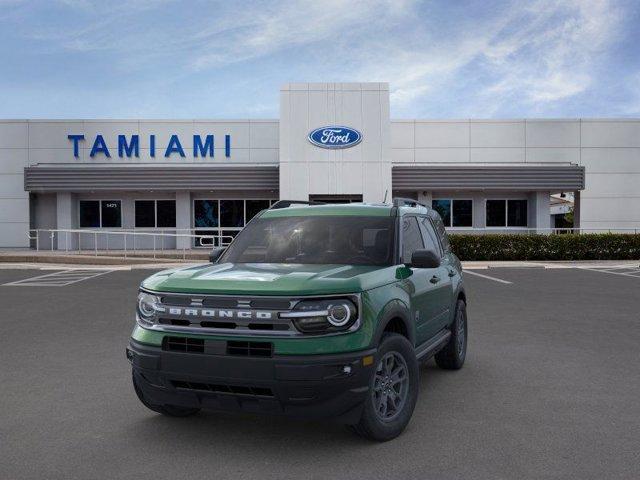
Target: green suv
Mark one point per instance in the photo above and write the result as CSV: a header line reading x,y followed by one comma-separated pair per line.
x,y
315,311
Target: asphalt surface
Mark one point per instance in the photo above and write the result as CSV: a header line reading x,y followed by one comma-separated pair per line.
x,y
551,389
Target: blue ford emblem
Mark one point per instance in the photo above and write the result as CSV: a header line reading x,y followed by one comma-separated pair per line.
x,y
335,136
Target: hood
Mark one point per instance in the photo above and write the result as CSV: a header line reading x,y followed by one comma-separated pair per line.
x,y
270,279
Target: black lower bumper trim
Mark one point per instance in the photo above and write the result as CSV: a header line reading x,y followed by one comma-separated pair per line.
x,y
308,386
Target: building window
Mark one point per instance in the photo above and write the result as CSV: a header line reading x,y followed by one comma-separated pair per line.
x,y
496,213
454,213
205,213
223,217
145,213
100,213
517,213
256,206
155,213
232,213
507,213
166,213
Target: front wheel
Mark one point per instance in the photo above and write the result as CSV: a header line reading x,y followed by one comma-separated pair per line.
x,y
452,356
393,391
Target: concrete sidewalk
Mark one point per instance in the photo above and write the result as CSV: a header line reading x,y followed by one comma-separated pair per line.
x,y
145,258
89,257
481,265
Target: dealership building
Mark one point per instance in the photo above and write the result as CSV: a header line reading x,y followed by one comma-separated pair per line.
x,y
211,176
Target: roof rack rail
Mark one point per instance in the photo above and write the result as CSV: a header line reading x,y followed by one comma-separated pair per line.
x,y
407,202
288,203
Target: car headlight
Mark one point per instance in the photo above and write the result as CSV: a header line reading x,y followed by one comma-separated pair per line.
x,y
324,315
148,305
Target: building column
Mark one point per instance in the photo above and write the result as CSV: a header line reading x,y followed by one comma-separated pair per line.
x,y
183,220
425,198
539,212
576,209
67,219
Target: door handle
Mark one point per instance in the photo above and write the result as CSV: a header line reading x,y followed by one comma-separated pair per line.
x,y
435,279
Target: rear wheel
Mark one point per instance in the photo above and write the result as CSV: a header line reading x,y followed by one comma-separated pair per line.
x,y
393,390
452,356
169,410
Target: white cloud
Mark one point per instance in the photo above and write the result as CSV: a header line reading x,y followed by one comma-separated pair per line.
x,y
542,53
285,25
532,54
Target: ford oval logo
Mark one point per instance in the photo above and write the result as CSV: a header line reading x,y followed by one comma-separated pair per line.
x,y
335,136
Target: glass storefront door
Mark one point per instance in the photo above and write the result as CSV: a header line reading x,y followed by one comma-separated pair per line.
x,y
223,219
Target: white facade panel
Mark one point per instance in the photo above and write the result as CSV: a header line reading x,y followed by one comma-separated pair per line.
x,y
613,160
442,155
109,131
14,210
13,160
313,170
441,134
613,212
553,133
612,133
403,155
497,155
14,235
612,185
53,134
14,134
402,135
497,134
12,186
240,134
553,155
263,135
163,131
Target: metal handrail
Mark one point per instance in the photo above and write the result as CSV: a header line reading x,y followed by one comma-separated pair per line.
x,y
69,234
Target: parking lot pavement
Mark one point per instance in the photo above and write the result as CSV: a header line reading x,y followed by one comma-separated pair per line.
x,y
550,390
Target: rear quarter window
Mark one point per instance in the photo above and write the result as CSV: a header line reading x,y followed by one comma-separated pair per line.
x,y
440,230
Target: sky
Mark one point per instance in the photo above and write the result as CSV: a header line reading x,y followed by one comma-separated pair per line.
x,y
228,59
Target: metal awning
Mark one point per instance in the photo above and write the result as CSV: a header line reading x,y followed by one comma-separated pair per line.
x,y
74,178
558,178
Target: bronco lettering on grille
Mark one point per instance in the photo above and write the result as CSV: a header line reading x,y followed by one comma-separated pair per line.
x,y
217,313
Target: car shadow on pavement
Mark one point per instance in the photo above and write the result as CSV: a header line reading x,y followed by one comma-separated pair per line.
x,y
221,430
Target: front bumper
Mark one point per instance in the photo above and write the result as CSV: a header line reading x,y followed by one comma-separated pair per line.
x,y
307,386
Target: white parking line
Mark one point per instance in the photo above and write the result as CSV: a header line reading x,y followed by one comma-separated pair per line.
x,y
58,279
499,280
623,271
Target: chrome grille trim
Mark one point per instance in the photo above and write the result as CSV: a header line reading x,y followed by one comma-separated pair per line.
x,y
245,326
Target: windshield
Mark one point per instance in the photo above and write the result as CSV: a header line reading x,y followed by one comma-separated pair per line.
x,y
315,239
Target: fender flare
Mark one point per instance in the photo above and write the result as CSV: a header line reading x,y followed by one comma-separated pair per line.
x,y
394,309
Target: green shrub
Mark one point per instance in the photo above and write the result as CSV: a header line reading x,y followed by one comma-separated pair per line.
x,y
586,246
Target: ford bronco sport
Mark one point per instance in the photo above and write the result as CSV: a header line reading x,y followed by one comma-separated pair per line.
x,y
312,311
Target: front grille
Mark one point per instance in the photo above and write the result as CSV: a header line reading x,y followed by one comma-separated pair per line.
x,y
183,344
220,388
228,315
250,349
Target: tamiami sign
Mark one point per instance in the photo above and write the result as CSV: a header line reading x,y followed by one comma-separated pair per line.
x,y
129,146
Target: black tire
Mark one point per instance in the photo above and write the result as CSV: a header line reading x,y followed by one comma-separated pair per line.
x,y
383,426
169,410
452,356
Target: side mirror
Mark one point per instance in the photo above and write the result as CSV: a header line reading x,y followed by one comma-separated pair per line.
x,y
425,259
216,253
